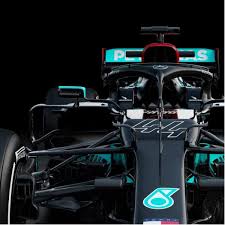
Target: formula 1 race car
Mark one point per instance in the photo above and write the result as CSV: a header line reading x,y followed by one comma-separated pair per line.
x,y
150,151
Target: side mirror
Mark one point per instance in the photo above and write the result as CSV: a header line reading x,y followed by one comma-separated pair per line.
x,y
193,97
195,104
72,91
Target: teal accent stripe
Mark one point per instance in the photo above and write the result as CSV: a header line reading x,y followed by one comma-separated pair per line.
x,y
201,158
75,87
191,180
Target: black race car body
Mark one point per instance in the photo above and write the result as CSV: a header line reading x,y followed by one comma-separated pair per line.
x,y
150,151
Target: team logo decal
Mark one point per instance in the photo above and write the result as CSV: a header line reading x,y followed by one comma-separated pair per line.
x,y
160,198
160,67
173,129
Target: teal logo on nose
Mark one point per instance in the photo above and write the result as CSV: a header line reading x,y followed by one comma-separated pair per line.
x,y
160,198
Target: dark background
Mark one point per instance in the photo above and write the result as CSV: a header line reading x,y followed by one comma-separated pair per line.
x,y
47,46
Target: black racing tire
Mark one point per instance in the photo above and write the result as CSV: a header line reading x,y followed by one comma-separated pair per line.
x,y
213,206
9,144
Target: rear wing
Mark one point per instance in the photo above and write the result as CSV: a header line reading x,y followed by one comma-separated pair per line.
x,y
200,56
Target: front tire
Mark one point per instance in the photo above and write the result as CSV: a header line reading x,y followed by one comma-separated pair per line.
x,y
9,144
